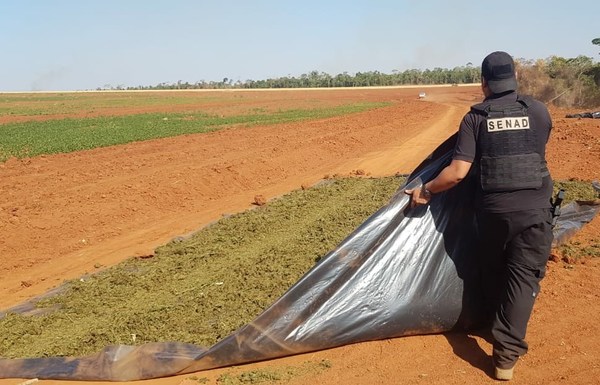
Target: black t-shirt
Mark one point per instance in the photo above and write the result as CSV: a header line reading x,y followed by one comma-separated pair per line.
x,y
467,149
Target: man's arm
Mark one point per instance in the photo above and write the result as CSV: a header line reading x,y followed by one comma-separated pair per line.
x,y
450,176
457,170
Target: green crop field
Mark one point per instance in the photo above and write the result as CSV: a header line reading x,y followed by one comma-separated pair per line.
x,y
39,104
54,136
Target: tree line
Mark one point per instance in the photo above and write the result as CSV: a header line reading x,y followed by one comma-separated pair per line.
x,y
568,82
316,79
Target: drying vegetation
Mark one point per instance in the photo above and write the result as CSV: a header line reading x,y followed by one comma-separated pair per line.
x,y
575,250
273,375
201,289
576,190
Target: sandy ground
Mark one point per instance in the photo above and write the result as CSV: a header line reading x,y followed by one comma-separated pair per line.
x,y
63,216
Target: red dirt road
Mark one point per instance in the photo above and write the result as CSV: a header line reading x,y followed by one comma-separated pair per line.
x,y
65,215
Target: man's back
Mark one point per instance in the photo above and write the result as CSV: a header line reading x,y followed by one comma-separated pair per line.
x,y
472,142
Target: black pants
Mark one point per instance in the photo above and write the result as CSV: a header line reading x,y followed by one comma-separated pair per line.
x,y
513,252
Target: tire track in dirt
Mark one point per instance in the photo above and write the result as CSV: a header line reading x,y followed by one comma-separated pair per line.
x,y
404,157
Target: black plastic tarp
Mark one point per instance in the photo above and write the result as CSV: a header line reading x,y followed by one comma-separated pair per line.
x,y
591,115
402,272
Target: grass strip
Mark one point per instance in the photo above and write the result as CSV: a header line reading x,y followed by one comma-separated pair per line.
x,y
30,139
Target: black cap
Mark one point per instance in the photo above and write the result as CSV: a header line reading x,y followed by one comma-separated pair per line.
x,y
498,69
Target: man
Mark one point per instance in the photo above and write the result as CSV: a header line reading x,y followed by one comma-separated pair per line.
x,y
503,139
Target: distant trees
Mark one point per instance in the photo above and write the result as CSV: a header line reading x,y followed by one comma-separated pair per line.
x,y
562,81
316,79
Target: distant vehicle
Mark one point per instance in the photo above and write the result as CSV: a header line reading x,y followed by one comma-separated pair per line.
x,y
422,95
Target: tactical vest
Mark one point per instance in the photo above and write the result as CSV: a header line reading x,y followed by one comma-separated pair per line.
x,y
508,145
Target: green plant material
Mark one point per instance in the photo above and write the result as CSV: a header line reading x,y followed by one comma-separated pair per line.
x,y
576,190
61,136
576,250
275,374
201,289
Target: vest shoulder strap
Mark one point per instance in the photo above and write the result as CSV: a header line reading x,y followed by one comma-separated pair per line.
x,y
480,109
489,110
525,100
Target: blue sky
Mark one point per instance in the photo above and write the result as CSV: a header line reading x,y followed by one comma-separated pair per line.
x,y
85,44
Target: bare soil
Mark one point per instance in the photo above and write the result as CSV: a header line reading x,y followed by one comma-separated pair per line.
x,y
63,216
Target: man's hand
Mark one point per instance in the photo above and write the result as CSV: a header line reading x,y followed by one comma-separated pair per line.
x,y
419,196
450,176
